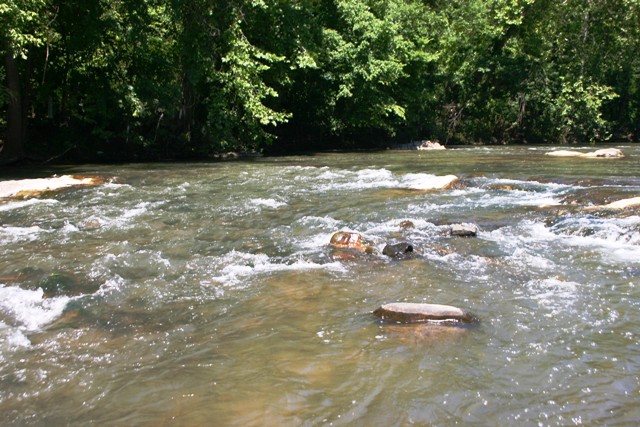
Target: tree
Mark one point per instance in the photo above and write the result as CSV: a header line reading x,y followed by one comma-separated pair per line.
x,y
25,26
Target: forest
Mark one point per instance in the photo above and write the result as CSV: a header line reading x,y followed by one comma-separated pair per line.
x,y
116,80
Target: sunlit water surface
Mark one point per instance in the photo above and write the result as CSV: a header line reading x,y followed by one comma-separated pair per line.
x,y
207,294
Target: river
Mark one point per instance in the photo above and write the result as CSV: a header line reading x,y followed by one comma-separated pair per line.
x,y
196,294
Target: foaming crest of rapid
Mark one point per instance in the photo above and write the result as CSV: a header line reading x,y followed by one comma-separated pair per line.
x,y
11,205
26,311
9,234
238,268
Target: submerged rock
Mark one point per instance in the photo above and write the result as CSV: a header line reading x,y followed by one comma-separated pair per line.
x,y
64,284
425,333
405,312
35,187
398,250
609,153
464,230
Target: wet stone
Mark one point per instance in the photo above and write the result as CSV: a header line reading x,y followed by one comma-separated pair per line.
x,y
464,230
404,312
350,240
398,250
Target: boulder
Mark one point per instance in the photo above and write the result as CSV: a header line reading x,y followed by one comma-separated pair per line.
x,y
431,145
398,250
406,224
464,230
350,240
609,153
406,312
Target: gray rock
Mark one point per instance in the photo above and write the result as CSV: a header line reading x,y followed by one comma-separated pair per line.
x,y
398,250
464,230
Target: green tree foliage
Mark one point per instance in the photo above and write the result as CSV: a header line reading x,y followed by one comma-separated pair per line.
x,y
168,78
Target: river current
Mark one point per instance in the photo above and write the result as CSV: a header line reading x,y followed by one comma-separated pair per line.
x,y
206,294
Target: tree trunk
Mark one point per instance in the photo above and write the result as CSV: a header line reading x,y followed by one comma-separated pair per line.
x,y
14,145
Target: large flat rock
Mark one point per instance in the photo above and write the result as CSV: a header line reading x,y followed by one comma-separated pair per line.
x,y
632,202
406,312
604,153
33,187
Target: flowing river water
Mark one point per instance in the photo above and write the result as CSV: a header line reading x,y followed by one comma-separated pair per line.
x,y
200,294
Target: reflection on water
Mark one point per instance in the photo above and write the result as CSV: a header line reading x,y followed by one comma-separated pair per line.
x,y
200,294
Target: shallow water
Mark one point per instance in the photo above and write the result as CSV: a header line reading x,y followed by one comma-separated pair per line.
x,y
206,294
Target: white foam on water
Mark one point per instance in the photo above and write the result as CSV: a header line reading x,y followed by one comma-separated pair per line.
x,y
139,209
239,266
524,242
614,238
20,234
114,283
553,296
27,311
12,337
126,217
324,222
425,181
25,203
330,175
520,198
267,203
356,180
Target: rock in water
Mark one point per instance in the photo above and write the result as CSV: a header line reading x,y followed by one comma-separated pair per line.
x,y
609,153
398,250
464,230
431,145
406,224
350,240
633,202
34,187
406,312
606,153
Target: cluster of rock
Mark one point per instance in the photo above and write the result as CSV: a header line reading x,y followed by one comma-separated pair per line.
x,y
351,240
402,312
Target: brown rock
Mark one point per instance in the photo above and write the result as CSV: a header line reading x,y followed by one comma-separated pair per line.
x,y
350,240
405,312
